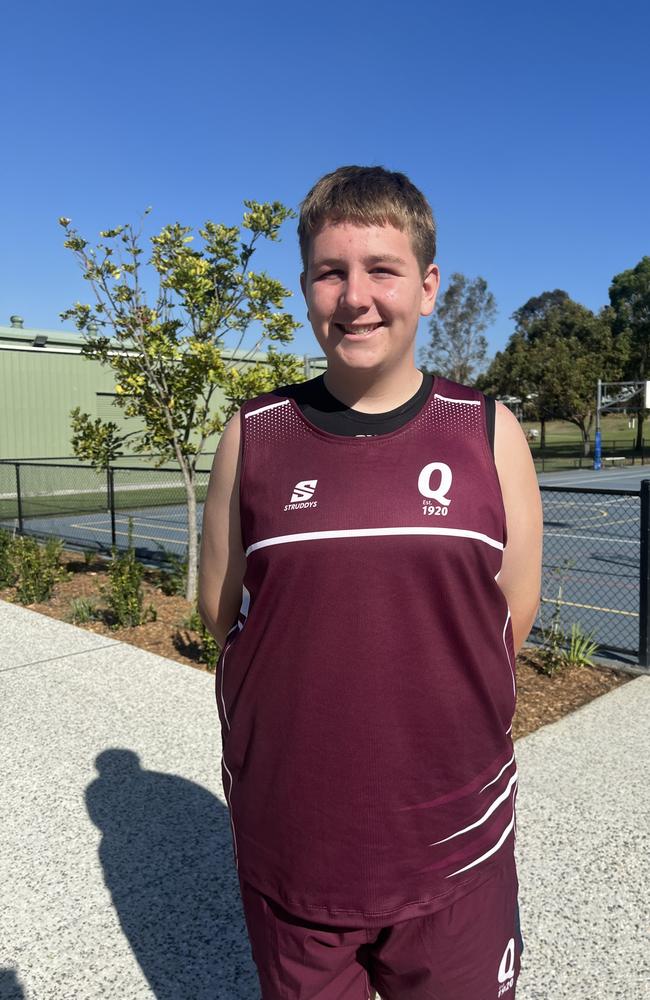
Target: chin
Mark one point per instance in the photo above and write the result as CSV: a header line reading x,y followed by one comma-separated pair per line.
x,y
354,363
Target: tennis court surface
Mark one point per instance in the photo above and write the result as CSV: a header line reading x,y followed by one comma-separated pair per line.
x,y
591,568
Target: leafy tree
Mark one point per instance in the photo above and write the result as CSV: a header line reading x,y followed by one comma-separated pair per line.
x,y
554,359
629,295
166,348
537,308
458,348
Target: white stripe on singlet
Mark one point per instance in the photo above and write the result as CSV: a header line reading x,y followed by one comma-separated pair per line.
x,y
505,794
448,399
489,853
308,536
269,406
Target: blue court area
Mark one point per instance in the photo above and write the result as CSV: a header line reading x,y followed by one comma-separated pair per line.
x,y
156,532
591,547
591,553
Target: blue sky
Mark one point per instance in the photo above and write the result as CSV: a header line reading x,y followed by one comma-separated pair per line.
x,y
526,125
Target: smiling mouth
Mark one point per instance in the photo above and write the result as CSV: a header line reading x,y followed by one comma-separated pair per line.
x,y
359,331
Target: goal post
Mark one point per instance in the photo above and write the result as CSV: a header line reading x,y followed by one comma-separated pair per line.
x,y
612,396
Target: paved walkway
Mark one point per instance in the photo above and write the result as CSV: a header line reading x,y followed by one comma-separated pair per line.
x,y
115,863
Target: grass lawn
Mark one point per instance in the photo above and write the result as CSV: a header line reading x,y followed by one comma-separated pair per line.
x,y
613,427
564,448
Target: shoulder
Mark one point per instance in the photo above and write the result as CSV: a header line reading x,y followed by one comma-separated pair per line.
x,y
512,455
508,428
455,390
311,393
302,392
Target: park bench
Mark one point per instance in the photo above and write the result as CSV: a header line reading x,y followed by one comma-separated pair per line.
x,y
614,460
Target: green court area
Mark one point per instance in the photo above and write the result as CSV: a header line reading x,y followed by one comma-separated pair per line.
x,y
61,491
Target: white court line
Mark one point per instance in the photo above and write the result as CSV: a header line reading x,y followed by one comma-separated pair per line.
x,y
143,522
592,481
107,531
592,538
591,521
610,502
589,607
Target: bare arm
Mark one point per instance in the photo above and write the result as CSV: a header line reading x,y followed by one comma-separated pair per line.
x,y
222,560
520,576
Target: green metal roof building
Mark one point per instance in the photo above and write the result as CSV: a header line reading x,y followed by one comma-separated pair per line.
x,y
43,376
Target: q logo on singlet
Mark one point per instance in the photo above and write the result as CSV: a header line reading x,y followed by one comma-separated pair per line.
x,y
434,483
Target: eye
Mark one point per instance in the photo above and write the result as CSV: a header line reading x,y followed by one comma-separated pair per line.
x,y
332,275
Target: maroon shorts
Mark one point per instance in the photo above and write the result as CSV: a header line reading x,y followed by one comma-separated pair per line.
x,y
469,951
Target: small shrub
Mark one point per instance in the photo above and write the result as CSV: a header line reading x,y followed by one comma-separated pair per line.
x,y
7,570
37,568
210,649
89,557
124,593
560,649
552,652
581,647
173,581
82,611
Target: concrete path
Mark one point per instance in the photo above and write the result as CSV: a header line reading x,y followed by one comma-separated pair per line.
x,y
116,871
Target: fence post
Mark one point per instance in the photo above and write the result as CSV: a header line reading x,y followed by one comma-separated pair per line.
x,y
19,498
644,588
111,502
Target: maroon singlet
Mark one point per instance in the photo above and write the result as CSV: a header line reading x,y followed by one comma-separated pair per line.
x,y
367,689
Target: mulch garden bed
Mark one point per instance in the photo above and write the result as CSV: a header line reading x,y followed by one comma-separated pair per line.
x,y
541,699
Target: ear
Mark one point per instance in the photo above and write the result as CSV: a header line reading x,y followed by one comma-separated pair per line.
x,y
430,286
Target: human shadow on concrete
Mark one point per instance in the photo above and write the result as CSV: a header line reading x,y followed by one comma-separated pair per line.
x,y
166,853
10,988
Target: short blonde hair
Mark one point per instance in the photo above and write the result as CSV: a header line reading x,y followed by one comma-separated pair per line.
x,y
369,196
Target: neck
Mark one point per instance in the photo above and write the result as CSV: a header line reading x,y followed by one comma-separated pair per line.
x,y
369,393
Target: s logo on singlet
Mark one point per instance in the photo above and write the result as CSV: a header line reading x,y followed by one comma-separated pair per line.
x,y
304,490
506,972
302,495
434,483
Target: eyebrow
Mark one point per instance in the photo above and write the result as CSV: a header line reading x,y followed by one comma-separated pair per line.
x,y
381,258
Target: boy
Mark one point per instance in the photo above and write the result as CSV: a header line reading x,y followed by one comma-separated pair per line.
x,y
384,528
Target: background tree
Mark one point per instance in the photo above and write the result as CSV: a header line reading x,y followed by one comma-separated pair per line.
x,y
458,348
537,308
515,371
629,295
166,348
553,361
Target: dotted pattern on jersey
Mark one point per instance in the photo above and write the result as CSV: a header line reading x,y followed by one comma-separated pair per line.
x,y
275,423
458,418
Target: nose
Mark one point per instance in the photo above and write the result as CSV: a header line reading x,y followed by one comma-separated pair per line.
x,y
355,293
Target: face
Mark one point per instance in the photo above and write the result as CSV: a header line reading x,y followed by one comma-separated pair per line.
x,y
365,294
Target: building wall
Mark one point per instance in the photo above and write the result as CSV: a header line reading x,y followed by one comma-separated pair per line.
x,y
39,386
38,392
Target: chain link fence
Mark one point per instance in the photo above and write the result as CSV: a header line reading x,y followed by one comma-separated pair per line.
x,y
596,567
556,457
593,566
97,510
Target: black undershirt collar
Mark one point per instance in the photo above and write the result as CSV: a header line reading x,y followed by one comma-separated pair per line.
x,y
329,414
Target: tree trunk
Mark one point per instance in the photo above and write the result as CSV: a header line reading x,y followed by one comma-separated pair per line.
x,y
585,440
189,481
192,543
542,434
